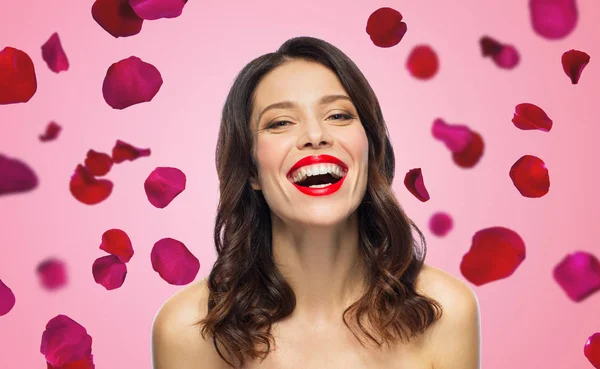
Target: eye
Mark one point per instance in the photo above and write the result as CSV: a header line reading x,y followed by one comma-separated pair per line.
x,y
343,115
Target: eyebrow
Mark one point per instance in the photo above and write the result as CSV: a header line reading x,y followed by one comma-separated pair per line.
x,y
324,100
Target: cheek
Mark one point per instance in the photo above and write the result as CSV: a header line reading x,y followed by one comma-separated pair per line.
x,y
270,155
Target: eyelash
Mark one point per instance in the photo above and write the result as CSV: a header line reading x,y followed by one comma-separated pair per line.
x,y
346,117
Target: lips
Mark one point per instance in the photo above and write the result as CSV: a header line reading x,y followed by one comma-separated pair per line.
x,y
317,159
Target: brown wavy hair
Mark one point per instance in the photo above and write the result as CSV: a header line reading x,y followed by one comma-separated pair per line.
x,y
247,293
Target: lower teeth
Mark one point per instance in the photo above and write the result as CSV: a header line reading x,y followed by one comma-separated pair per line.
x,y
320,186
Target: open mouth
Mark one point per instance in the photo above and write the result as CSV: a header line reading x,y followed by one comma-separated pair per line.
x,y
319,180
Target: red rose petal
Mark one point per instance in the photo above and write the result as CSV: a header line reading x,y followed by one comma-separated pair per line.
x,y
422,62
156,9
65,341
81,364
414,183
508,58
87,189
52,274
471,154
116,242
130,81
456,137
109,272
591,350
440,224
174,262
52,131
573,62
495,254
97,163
163,185
530,176
7,299
385,27
123,151
54,55
553,19
489,46
16,176
117,17
529,116
578,274
18,83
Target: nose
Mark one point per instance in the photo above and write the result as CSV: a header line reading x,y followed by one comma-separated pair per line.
x,y
315,134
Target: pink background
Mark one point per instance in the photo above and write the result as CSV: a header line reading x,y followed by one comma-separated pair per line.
x,y
527,320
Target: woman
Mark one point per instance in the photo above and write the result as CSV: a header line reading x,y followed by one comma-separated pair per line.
x,y
317,266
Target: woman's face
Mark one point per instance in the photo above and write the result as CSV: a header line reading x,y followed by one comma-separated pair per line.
x,y
307,128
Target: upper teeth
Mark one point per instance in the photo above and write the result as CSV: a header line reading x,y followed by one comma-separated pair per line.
x,y
316,169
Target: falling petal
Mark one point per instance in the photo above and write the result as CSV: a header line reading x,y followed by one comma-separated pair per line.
x,y
117,17
440,224
156,9
471,154
52,131
18,83
7,299
129,82
116,242
87,189
508,58
423,62
163,185
553,19
591,350
16,176
385,27
529,116
52,274
573,62
123,151
97,163
578,274
530,176
415,184
456,137
65,341
81,364
174,262
489,46
54,55
495,254
109,272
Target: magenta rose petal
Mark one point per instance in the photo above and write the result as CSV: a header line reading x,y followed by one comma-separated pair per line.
x,y
470,155
415,184
423,62
109,272
117,17
530,176
65,341
440,224
16,176
174,262
7,299
51,132
573,62
529,116
553,19
52,274
116,242
54,55
495,254
156,9
455,136
163,185
129,82
98,163
508,58
123,151
88,189
385,27
18,82
591,350
578,274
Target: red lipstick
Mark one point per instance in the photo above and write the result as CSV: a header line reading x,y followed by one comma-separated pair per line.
x,y
318,159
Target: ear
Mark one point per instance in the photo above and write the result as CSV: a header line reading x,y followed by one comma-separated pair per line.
x,y
254,183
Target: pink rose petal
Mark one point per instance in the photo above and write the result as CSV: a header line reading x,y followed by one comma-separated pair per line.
x,y
553,19
440,224
7,299
130,81
116,242
508,58
174,262
530,116
87,189
415,184
578,274
456,137
54,55
573,62
16,176
18,82
52,274
123,151
109,271
52,131
530,176
591,350
163,185
385,27
156,9
65,341
97,163
117,17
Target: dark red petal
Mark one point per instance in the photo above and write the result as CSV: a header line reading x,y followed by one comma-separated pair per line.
x,y
385,27
553,19
414,183
530,176
109,272
97,163
495,253
440,224
578,274
489,46
123,151
156,9
52,131
7,299
116,242
18,83
573,62
163,185
529,116
54,55
456,136
16,176
422,62
52,274
591,350
65,341
174,262
471,155
508,58
130,81
117,17
87,189
81,364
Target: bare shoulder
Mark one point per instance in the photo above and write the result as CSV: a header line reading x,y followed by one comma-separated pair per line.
x,y
176,339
